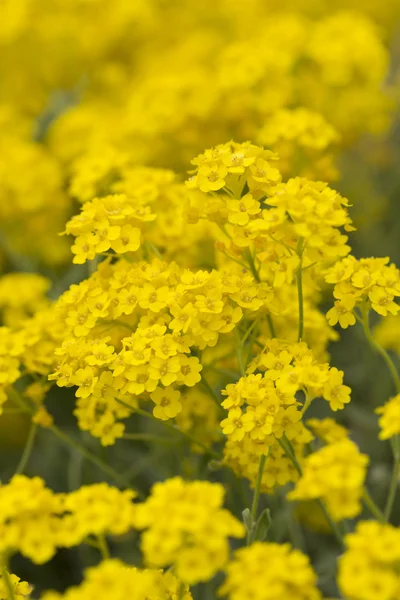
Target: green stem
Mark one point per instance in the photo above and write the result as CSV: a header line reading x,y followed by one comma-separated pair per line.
x,y
154,249
395,442
71,442
252,266
299,279
394,480
103,547
7,579
147,437
213,394
239,354
372,506
271,326
148,415
90,456
378,348
289,451
117,322
306,404
27,450
256,497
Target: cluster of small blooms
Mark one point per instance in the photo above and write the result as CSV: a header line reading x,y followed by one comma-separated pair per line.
x,y
199,417
293,367
128,203
169,311
368,570
104,224
244,249
33,206
97,509
305,141
365,283
21,589
306,62
11,347
263,408
30,518
114,579
244,459
335,474
27,348
296,210
194,537
389,421
232,166
267,571
35,521
327,430
22,295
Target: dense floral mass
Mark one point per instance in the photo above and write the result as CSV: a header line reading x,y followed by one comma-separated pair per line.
x,y
185,191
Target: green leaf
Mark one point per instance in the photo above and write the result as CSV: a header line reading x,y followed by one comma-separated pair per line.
x,y
263,524
248,520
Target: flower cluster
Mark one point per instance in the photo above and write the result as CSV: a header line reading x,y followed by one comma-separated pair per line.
x,y
131,329
369,567
112,578
22,295
194,536
35,521
269,571
194,310
335,474
327,430
293,367
389,421
291,213
305,141
21,589
363,284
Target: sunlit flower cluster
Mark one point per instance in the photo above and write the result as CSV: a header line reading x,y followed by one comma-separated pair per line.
x,y
118,580
335,474
369,567
171,244
194,537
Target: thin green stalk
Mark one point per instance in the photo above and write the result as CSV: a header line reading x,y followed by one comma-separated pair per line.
x,y
181,591
393,485
287,448
299,279
154,249
148,415
395,442
256,497
271,326
250,345
248,332
117,322
373,507
147,437
239,354
7,579
378,348
252,266
213,394
71,442
27,450
103,547
90,456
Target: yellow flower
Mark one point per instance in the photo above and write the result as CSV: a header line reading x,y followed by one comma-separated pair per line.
x,y
389,422
342,312
167,403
